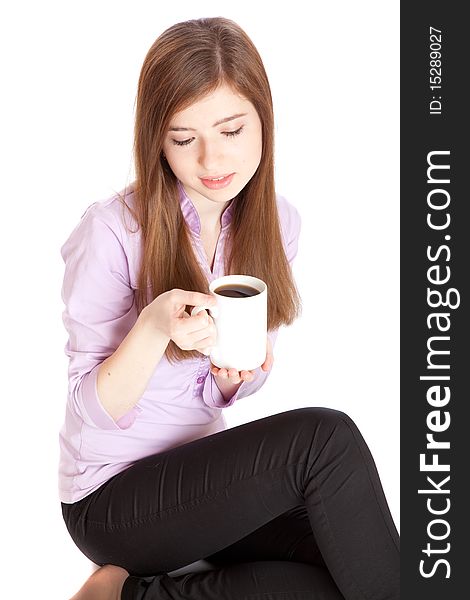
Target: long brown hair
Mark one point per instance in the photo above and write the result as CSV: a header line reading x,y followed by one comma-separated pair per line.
x,y
186,62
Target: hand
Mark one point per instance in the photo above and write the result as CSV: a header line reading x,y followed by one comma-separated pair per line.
x,y
168,315
234,377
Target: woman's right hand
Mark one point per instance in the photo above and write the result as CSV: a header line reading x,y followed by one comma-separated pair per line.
x,y
167,314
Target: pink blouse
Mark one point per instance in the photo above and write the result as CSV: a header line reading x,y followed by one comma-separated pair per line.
x,y
181,402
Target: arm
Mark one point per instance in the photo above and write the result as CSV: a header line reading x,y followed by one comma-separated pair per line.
x,y
99,310
123,376
112,353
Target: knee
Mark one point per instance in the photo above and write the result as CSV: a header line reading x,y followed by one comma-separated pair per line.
x,y
329,420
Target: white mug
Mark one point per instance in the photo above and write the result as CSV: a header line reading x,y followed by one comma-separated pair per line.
x,y
241,324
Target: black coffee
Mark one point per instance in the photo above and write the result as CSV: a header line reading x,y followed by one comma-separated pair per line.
x,y
237,290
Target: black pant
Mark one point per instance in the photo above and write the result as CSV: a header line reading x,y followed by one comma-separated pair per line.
x,y
289,507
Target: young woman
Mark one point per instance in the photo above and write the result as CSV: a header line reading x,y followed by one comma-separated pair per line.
x,y
289,506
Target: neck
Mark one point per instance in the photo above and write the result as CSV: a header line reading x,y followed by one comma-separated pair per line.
x,y
209,212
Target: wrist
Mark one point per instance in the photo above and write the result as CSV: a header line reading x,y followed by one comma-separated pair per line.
x,y
226,388
148,327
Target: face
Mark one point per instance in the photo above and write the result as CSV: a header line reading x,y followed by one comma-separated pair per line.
x,y
218,136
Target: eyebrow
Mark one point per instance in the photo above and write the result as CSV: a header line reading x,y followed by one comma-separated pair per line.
x,y
225,120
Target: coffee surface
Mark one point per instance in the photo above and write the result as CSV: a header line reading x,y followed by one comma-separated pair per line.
x,y
237,290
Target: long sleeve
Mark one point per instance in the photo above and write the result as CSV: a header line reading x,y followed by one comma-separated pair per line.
x,y
99,310
212,396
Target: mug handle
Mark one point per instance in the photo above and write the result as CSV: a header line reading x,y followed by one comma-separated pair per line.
x,y
214,312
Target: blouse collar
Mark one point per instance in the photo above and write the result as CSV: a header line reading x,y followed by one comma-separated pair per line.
x,y
191,215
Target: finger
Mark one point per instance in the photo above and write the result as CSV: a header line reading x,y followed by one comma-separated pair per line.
x,y
185,323
189,336
247,376
204,346
234,376
223,373
201,318
193,298
196,328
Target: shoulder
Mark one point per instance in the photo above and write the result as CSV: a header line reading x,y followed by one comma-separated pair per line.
x,y
106,223
289,218
113,212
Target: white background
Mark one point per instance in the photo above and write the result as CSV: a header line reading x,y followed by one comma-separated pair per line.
x,y
69,79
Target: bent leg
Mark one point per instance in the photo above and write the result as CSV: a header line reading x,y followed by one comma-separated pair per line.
x,y
179,506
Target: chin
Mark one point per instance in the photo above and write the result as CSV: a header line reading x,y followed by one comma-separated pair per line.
x,y
223,195
219,198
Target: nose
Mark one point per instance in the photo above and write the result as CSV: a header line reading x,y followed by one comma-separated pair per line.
x,y
210,156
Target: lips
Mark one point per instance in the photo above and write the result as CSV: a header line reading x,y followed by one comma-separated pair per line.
x,y
214,183
212,177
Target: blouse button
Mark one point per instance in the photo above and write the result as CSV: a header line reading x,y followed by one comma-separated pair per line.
x,y
200,379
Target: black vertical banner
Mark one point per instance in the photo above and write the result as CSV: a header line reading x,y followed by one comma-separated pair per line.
x,y
435,300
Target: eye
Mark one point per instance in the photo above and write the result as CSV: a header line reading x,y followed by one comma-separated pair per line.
x,y
183,143
233,133
228,134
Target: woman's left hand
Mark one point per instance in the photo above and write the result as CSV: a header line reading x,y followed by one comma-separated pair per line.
x,y
233,376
